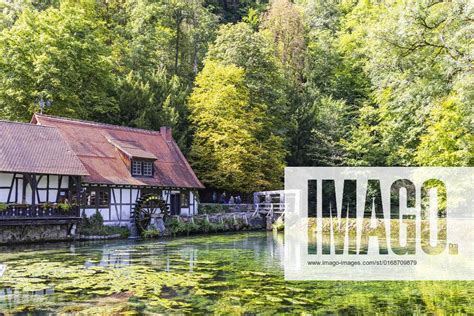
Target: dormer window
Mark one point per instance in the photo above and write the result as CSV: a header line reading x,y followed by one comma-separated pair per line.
x,y
142,168
147,169
136,168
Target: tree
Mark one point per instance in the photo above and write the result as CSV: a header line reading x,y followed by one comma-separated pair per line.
x,y
414,54
60,56
285,23
449,137
229,149
333,87
240,45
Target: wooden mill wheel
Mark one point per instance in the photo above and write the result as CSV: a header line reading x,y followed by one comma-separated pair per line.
x,y
146,207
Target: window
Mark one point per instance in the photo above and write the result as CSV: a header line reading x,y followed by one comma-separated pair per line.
x,y
148,191
63,195
90,198
142,168
136,168
147,169
184,198
104,199
97,197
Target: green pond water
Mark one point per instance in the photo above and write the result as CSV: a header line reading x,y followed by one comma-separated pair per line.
x,y
222,274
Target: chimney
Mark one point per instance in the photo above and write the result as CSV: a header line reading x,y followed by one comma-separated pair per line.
x,y
166,133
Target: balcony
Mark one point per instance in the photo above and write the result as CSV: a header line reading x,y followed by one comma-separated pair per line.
x,y
20,214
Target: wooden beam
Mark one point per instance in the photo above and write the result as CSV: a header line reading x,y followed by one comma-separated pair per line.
x,y
11,188
60,181
23,190
31,180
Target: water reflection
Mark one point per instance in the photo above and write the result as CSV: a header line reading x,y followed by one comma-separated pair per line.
x,y
203,274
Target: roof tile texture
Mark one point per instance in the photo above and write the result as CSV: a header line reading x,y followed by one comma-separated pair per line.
x,y
96,146
36,149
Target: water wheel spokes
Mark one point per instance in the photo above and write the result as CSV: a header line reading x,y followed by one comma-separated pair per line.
x,y
146,208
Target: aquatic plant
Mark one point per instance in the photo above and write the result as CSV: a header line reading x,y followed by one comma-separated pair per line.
x,y
204,274
150,233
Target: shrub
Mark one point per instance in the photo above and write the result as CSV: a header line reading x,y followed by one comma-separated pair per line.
x,y
175,226
216,227
94,226
64,207
3,207
96,220
150,233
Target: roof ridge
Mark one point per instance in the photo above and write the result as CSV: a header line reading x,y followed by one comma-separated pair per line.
x,y
106,125
24,123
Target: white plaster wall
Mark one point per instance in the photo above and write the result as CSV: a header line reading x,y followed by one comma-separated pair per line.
x,y
166,196
53,183
5,181
28,195
196,203
122,202
20,191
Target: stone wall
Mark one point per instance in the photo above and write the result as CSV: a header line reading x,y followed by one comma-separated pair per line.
x,y
34,233
203,224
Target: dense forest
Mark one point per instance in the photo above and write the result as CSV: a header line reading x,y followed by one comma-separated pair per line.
x,y
252,86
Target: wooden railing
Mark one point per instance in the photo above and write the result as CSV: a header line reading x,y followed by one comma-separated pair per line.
x,y
270,207
29,212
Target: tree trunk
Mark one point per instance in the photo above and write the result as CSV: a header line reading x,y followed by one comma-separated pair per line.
x,y
178,34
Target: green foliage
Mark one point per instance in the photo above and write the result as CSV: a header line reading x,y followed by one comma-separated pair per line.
x,y
58,55
254,52
285,83
211,208
3,207
416,56
222,274
449,137
150,233
202,225
64,207
180,227
229,149
285,24
94,226
96,220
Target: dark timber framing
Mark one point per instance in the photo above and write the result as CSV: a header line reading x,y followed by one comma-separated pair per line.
x,y
23,180
113,211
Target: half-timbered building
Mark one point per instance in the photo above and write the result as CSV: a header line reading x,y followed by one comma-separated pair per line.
x,y
37,169
98,167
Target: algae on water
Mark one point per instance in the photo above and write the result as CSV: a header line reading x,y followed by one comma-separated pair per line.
x,y
224,274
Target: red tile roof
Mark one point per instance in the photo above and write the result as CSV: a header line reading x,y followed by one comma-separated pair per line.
x,y
36,149
98,147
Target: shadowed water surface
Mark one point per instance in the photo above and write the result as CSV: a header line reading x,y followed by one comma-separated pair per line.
x,y
226,274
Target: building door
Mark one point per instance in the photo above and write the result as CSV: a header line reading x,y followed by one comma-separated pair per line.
x,y
175,204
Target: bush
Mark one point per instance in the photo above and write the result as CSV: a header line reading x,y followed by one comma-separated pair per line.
x,y
177,227
150,233
212,208
94,226
96,220
64,207
217,227
3,207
